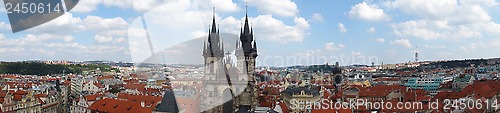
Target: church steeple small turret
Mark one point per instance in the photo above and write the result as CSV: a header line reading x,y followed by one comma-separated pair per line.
x,y
214,27
246,38
214,44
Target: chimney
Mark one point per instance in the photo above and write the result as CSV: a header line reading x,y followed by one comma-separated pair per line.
x,y
143,104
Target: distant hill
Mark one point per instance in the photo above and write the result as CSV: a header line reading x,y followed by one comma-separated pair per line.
x,y
462,63
31,68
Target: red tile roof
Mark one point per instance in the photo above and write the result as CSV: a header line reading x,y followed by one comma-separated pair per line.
x,y
190,105
134,86
18,97
20,92
151,101
284,107
93,97
2,94
40,95
479,89
271,90
98,84
131,81
105,77
118,106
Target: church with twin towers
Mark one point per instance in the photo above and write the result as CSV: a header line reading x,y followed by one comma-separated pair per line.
x,y
229,87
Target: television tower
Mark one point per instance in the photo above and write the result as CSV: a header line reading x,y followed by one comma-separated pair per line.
x,y
416,54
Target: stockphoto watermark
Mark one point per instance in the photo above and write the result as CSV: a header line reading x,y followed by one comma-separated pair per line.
x,y
359,103
446,104
319,59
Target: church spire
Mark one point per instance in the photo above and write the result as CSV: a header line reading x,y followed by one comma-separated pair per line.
x,y
237,44
214,26
246,28
255,45
213,43
222,45
204,46
251,31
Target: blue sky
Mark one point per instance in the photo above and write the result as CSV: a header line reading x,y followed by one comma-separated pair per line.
x,y
288,32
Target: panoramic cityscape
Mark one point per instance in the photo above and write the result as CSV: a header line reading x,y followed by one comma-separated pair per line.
x,y
249,56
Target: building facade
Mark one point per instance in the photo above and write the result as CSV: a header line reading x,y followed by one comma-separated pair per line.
x,y
228,87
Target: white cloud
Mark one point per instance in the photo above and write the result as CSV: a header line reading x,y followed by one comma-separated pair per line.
x,y
119,3
98,23
356,53
85,6
230,25
226,5
43,51
120,40
367,12
61,25
435,46
402,42
4,26
11,50
72,45
285,8
317,17
103,39
2,36
198,34
2,7
68,38
381,40
371,30
445,19
342,28
268,28
31,39
146,5
275,30
430,29
220,5
330,46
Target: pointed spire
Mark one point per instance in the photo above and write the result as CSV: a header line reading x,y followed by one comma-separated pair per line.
x,y
204,46
209,37
246,26
241,28
236,46
251,31
246,9
214,27
222,45
255,45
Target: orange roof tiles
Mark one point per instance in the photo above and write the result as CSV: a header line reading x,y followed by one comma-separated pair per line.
x,y
93,97
40,95
18,97
20,92
271,90
148,100
2,94
190,105
118,106
284,107
98,84
134,86
105,77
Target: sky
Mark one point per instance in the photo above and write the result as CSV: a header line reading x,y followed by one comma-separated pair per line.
x,y
288,32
